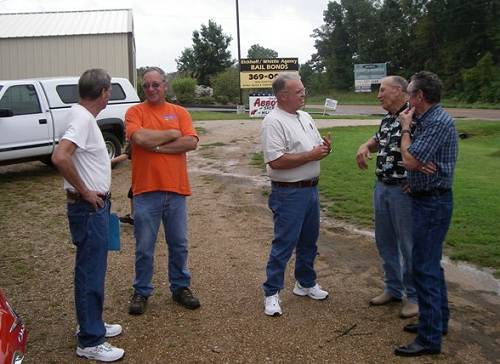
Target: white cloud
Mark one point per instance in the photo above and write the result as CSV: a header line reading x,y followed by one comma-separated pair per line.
x,y
163,28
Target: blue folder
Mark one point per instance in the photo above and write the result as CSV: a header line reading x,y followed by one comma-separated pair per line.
x,y
114,232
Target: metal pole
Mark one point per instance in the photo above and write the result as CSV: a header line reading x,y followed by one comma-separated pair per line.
x,y
239,49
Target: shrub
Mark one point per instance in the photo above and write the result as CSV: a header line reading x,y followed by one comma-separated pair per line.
x,y
226,86
482,82
184,89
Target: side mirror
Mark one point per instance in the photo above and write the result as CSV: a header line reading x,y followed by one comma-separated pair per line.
x,y
5,113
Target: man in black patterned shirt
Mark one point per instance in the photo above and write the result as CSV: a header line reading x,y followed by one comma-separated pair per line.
x,y
391,201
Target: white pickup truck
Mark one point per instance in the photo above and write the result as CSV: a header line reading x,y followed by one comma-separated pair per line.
x,y
33,116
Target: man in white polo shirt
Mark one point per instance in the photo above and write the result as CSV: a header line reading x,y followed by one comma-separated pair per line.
x,y
292,148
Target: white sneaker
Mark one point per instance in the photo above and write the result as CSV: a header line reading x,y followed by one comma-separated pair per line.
x,y
315,292
272,305
112,330
104,352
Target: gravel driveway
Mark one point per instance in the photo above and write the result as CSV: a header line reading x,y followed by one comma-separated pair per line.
x,y
230,229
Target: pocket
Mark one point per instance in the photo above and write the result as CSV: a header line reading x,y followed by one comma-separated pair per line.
x,y
78,227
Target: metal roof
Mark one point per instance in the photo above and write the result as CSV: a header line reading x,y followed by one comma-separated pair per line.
x,y
47,24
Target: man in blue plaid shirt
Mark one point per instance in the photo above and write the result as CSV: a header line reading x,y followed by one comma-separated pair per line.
x,y
429,155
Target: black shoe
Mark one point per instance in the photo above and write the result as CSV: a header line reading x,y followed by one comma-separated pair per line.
x,y
137,304
415,349
185,297
127,219
413,328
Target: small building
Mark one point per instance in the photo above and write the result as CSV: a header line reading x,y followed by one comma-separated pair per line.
x,y
66,43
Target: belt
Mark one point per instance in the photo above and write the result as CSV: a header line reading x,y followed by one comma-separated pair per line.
x,y
434,192
75,196
299,184
392,181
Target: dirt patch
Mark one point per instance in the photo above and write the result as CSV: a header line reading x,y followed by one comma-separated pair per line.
x,y
230,229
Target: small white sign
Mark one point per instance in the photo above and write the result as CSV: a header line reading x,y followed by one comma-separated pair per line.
x,y
260,106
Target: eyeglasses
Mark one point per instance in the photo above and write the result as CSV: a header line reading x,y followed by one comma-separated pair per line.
x,y
154,85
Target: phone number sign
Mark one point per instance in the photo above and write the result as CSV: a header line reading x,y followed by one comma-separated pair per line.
x,y
260,73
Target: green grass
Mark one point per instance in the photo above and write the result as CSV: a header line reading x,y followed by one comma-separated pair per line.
x,y
474,235
370,98
257,159
214,115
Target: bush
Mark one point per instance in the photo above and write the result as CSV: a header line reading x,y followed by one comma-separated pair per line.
x,y
226,86
184,89
205,100
482,82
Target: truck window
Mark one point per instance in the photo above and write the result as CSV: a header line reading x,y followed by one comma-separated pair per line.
x,y
21,99
69,93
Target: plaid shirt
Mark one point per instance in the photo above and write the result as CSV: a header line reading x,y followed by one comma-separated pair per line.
x,y
434,140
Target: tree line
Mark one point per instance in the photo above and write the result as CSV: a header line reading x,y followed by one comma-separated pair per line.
x,y
457,39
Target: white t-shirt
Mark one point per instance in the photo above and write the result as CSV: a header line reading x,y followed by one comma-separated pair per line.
x,y
91,156
282,133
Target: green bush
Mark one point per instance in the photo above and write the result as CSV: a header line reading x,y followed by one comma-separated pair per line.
x,y
205,100
226,86
482,82
184,89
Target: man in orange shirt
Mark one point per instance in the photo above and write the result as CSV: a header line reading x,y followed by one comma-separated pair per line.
x,y
161,133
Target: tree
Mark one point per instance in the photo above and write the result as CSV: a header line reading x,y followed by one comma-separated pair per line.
x,y
257,51
226,85
209,54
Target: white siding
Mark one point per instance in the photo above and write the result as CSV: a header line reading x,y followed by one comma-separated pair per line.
x,y
64,56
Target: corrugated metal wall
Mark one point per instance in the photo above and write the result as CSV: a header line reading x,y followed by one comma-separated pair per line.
x,y
68,55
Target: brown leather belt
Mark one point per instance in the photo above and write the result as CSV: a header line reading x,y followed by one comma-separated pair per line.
x,y
75,196
299,184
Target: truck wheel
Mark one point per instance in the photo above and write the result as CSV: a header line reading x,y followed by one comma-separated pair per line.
x,y
112,145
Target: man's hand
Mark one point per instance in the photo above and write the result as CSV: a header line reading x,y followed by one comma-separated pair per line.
x,y
94,198
428,168
362,155
319,152
406,118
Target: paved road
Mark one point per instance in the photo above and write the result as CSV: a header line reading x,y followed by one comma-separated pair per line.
x,y
376,110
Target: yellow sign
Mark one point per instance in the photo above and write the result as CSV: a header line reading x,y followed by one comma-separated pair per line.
x,y
260,73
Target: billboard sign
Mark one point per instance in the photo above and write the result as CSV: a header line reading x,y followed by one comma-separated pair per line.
x,y
365,75
260,73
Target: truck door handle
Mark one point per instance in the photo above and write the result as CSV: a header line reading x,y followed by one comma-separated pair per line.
x,y
42,121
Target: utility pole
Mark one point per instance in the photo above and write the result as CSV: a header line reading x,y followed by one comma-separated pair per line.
x,y
239,49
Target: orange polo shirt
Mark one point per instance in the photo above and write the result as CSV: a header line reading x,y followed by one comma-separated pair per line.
x,y
153,171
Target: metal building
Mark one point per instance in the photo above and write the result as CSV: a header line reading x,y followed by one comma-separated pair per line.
x,y
67,43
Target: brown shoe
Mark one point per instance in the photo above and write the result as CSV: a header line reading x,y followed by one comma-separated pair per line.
x,y
409,310
383,299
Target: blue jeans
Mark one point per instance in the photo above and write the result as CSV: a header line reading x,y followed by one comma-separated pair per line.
x,y
89,231
394,239
150,209
431,220
296,226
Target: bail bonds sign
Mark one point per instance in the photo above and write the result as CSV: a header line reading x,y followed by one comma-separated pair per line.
x,y
260,73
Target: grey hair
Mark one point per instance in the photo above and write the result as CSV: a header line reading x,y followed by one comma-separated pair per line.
x,y
92,82
156,69
279,83
429,83
398,81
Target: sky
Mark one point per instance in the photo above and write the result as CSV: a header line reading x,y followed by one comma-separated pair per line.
x,y
163,28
